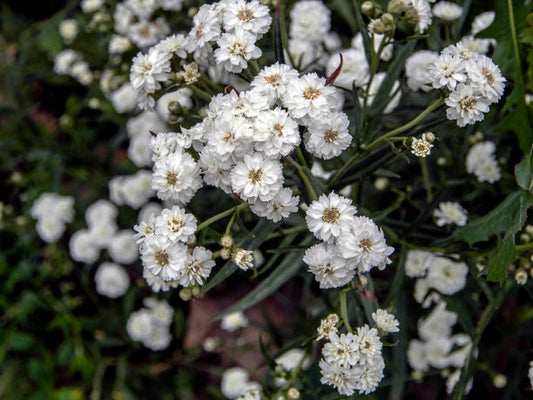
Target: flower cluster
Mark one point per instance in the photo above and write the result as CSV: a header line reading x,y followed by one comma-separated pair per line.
x,y
474,82
151,324
354,361
481,162
52,212
103,233
439,347
224,33
436,272
350,243
236,384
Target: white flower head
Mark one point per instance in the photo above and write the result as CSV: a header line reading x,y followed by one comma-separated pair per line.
x,y
450,213
165,259
174,224
148,70
257,177
328,215
467,105
365,242
342,350
385,321
447,276
276,133
281,206
329,268
273,81
250,16
234,321
329,138
111,280
447,11
198,268
235,49
417,263
448,70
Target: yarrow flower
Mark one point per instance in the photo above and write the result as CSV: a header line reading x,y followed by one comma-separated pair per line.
x,y
450,213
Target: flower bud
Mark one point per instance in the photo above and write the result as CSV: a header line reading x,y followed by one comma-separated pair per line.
x,y
367,8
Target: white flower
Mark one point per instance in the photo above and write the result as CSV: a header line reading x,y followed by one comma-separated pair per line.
x,y
385,321
330,137
530,373
450,213
327,326
421,147
257,177
370,375
158,339
89,6
329,268
466,105
230,135
365,242
481,162
103,233
344,379
417,355
157,284
281,206
49,228
100,212
83,248
483,21
421,14
235,382
111,280
417,70
369,344
139,324
68,29
118,44
174,224
329,214
342,350
447,276
310,21
273,81
161,311
276,134
486,77
417,263
175,45
244,259
236,49
198,268
176,178
310,98
291,359
124,99
250,16
64,60
171,5
438,324
447,70
234,321
123,248
167,260
447,11
148,70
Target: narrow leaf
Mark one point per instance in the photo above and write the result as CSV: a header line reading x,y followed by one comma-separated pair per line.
x,y
501,259
523,172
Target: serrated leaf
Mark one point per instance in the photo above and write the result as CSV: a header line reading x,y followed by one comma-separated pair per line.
x,y
508,216
284,271
501,259
260,233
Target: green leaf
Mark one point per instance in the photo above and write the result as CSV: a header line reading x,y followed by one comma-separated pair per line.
x,y
509,216
501,259
523,172
285,270
20,341
260,233
346,11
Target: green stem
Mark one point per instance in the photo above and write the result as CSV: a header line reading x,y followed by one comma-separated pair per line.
x,y
373,69
340,173
287,231
200,93
305,179
425,178
515,39
481,325
230,223
344,310
301,158
524,247
221,215
406,126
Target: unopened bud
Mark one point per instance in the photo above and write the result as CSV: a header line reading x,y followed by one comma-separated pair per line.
x,y
226,241
225,253
293,393
367,8
396,6
174,107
